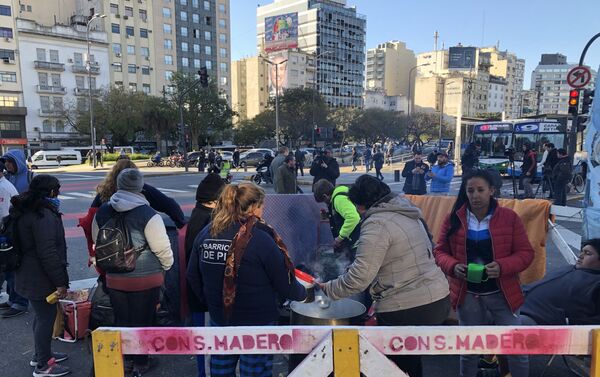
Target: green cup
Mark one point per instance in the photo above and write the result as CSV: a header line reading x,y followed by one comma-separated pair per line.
x,y
475,273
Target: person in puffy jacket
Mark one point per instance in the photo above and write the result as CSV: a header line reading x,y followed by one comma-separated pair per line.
x,y
415,171
441,175
134,294
394,258
481,235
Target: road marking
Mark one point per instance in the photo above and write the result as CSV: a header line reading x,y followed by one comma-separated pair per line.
x,y
81,179
169,190
193,186
64,197
77,175
82,195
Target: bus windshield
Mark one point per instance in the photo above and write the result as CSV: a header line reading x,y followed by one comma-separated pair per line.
x,y
493,144
537,141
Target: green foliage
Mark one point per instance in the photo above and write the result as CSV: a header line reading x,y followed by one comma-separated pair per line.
x,y
489,116
374,125
300,110
253,131
418,125
134,156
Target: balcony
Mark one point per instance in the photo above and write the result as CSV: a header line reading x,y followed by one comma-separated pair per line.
x,y
86,92
51,112
62,136
13,110
51,89
77,68
50,66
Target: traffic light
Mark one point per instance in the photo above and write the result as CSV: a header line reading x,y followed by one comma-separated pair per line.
x,y
317,131
582,121
574,102
586,102
203,72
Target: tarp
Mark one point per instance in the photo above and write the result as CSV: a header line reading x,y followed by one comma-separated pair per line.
x,y
591,220
533,212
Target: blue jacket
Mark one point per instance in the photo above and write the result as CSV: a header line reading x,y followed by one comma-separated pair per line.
x,y
23,176
262,277
442,179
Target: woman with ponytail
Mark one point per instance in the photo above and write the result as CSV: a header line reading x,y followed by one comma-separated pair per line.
x,y
242,268
482,248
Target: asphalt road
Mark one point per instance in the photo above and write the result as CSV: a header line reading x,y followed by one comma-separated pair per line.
x,y
77,192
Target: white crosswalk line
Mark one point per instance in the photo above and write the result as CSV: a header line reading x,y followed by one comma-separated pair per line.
x,y
166,190
193,186
64,197
82,195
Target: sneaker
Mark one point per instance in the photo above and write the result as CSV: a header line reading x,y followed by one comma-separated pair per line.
x,y
51,369
12,312
4,306
57,356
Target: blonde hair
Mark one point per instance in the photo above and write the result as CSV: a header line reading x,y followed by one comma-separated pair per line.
x,y
109,185
234,204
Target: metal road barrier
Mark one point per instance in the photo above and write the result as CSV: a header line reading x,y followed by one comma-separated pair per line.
x,y
343,351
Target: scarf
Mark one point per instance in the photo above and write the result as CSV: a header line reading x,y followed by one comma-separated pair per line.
x,y
236,252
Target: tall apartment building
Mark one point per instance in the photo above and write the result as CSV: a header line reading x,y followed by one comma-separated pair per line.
x,y
249,87
12,104
508,66
335,34
196,35
224,47
165,44
388,67
549,81
496,94
529,102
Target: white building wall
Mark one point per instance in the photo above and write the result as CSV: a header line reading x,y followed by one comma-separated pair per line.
x,y
496,97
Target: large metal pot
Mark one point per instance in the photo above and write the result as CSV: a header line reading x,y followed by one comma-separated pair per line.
x,y
326,312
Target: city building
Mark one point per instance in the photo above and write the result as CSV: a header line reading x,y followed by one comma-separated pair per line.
x,y
13,110
55,79
380,100
165,44
529,102
496,94
224,48
330,30
249,87
549,81
388,68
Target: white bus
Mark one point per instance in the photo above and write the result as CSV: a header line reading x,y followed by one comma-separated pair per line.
x,y
47,159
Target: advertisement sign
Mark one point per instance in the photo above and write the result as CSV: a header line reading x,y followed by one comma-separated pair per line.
x,y
281,32
494,127
591,220
277,72
461,57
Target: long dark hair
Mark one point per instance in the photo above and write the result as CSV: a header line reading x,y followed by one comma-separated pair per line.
x,y
34,199
462,198
367,191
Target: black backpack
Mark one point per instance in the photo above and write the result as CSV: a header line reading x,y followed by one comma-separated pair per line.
x,y
10,253
114,252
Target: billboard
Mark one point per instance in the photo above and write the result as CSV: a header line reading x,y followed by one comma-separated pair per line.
x,y
277,72
461,57
281,32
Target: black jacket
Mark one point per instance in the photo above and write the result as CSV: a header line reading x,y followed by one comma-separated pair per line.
x,y
44,254
470,159
201,216
563,170
551,160
410,186
330,173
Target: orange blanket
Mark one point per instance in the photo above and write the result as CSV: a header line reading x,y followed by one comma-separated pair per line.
x,y
533,212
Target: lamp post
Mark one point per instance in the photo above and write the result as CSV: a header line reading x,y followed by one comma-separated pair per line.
x,y
410,71
88,66
276,96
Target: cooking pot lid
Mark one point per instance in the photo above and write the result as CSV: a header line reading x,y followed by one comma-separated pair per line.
x,y
325,308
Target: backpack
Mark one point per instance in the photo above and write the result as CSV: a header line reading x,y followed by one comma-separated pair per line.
x,y
10,253
114,253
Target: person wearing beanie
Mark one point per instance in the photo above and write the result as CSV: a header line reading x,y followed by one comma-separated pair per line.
x,y
134,294
207,193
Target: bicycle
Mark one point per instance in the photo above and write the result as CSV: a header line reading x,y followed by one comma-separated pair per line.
x,y
577,183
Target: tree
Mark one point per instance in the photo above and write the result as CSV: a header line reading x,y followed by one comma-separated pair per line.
x,y
372,125
300,109
489,116
420,124
253,131
207,115
342,119
160,118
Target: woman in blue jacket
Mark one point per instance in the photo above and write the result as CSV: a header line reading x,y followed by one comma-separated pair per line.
x,y
242,268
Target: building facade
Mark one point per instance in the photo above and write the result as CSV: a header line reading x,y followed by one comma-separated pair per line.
x,y
496,94
249,87
549,81
508,66
335,34
165,44
378,99
529,102
388,67
223,37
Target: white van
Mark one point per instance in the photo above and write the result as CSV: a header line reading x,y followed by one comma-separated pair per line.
x,y
47,159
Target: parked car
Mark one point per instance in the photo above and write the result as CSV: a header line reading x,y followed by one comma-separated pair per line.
x,y
251,158
47,159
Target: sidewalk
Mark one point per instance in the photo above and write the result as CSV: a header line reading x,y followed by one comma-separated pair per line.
x,y
141,164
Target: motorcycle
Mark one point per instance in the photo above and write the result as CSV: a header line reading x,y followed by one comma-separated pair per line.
x,y
153,163
262,175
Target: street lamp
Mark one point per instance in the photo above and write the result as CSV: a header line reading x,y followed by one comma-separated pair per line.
x,y
276,96
410,71
88,66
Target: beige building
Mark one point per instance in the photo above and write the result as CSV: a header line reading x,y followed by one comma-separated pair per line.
x,y
224,48
249,87
388,67
165,48
508,66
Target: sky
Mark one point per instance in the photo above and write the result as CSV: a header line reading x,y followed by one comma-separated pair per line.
x,y
526,27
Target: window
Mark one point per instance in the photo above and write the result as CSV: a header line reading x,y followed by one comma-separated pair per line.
x,y
55,77
184,46
146,88
145,51
6,32
7,101
8,76
129,31
5,10
207,36
208,64
116,28
132,87
206,5
166,12
184,31
46,125
222,8
41,54
57,102
168,44
185,62
82,104
130,50
183,15
223,52
117,67
167,28
208,21
144,33
116,47
143,15
54,56
222,23
78,58
129,11
196,48
169,59
145,70
60,127
196,63
223,80
43,79
223,67
222,38
168,75
131,68
195,3
197,33
196,18
207,50
114,8
183,2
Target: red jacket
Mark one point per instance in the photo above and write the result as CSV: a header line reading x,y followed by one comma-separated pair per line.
x,y
511,249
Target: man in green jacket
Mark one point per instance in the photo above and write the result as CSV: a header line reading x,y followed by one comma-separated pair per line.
x,y
343,217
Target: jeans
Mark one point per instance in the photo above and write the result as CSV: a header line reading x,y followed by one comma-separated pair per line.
x,y
44,315
527,186
134,309
367,165
560,193
353,165
430,314
16,301
198,321
378,172
476,310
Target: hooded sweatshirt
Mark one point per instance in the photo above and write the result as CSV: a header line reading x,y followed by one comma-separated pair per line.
x,y
147,232
21,178
395,258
